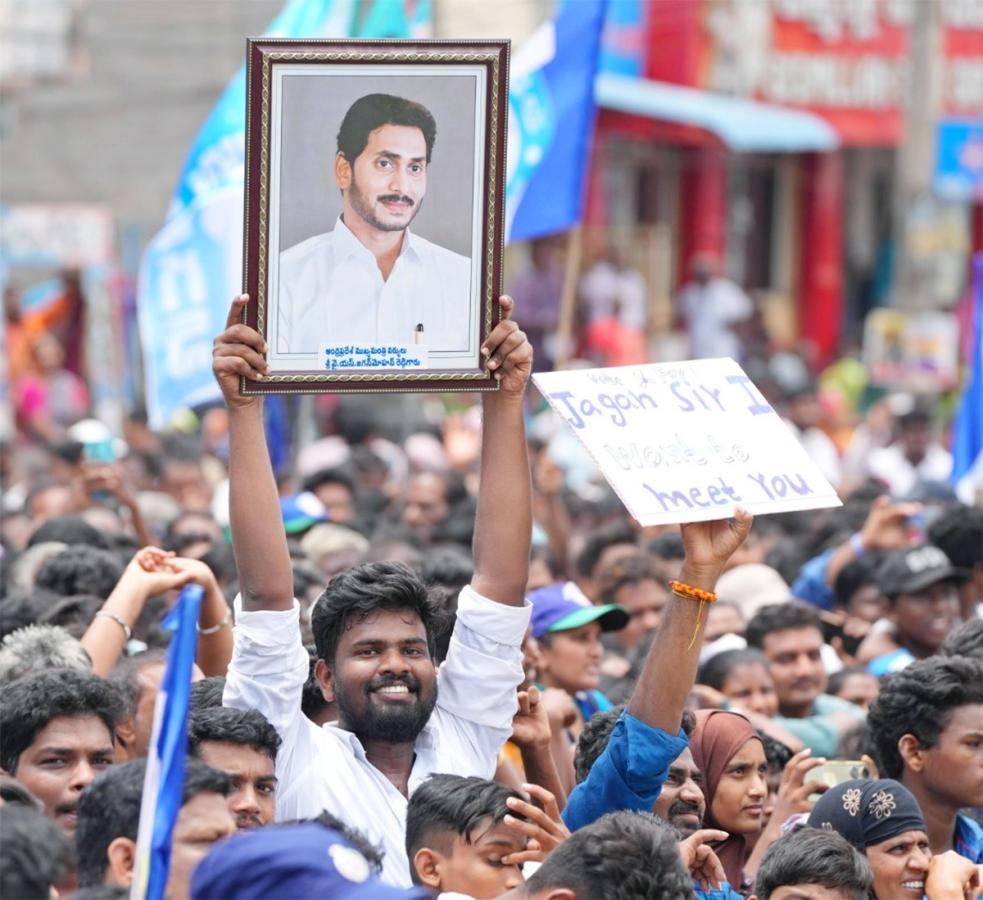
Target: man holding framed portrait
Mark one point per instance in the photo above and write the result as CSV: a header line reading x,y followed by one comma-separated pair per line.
x,y
374,212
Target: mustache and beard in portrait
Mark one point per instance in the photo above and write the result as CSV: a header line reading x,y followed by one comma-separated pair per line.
x,y
397,722
367,210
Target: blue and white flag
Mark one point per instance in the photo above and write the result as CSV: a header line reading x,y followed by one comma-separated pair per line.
x,y
551,121
193,267
163,785
967,431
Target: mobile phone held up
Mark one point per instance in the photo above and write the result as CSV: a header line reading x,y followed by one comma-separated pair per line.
x,y
837,771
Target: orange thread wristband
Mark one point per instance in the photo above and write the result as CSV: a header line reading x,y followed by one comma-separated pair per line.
x,y
688,592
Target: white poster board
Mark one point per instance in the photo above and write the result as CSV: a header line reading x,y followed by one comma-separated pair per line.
x,y
687,441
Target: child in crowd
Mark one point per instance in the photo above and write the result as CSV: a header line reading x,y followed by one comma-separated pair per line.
x,y
471,836
743,678
856,685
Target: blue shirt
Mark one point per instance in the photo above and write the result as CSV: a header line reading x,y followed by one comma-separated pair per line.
x,y
811,584
894,661
590,702
629,774
724,892
969,839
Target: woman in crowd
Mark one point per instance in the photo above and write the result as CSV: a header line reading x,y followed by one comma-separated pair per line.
x,y
882,820
727,750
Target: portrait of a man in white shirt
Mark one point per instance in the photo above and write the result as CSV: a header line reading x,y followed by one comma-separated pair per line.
x,y
372,280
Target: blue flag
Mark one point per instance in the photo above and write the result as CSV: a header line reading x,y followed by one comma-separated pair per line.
x,y
192,269
163,784
967,432
551,122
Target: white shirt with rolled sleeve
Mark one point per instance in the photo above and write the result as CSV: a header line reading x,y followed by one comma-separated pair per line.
x,y
331,290
325,768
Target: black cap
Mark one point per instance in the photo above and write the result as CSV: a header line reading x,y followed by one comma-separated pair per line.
x,y
913,570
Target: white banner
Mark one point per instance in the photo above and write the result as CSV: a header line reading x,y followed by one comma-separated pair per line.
x,y
687,441
62,235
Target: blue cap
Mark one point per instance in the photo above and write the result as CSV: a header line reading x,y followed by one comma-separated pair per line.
x,y
301,511
303,862
560,607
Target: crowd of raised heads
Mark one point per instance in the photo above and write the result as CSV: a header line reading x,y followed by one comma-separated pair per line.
x,y
436,657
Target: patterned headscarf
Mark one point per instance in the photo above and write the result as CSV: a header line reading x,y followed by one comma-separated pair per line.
x,y
867,812
716,739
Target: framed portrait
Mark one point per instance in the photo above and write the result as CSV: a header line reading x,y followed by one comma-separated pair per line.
x,y
374,206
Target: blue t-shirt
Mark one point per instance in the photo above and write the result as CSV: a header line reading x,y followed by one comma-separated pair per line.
x,y
894,661
969,839
628,774
811,584
590,702
724,892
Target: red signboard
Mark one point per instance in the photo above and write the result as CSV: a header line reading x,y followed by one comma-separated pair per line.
x,y
847,61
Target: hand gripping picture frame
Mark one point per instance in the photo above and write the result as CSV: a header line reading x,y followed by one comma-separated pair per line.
x,y
374,208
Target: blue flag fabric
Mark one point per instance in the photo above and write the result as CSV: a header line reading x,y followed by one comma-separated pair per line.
x,y
192,268
967,434
276,424
551,123
164,783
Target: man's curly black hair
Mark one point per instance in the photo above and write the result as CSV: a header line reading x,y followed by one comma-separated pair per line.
x,y
357,593
248,727
919,700
81,569
28,705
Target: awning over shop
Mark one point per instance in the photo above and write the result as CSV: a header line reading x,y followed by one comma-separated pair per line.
x,y
745,126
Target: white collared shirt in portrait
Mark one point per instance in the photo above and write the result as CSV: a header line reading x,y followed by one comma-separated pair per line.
x,y
331,291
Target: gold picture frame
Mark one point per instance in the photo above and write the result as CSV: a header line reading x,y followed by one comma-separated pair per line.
x,y
335,321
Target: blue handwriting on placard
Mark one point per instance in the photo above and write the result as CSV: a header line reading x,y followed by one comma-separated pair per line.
x,y
582,406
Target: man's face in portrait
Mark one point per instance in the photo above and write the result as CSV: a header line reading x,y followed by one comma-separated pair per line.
x,y
386,185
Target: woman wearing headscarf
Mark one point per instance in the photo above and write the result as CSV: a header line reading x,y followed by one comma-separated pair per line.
x,y
727,750
881,819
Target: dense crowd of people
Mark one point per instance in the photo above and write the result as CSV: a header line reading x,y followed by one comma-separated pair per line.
x,y
436,657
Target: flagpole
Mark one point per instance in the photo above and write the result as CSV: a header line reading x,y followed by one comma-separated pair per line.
x,y
163,783
568,299
967,428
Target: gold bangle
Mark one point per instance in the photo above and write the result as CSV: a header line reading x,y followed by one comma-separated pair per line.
x,y
213,629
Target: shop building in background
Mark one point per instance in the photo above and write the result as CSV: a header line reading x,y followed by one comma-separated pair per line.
x,y
766,132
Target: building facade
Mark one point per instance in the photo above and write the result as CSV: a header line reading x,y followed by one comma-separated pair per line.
x,y
813,229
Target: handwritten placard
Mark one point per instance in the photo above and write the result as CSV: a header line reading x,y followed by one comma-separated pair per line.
x,y
686,441
346,357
